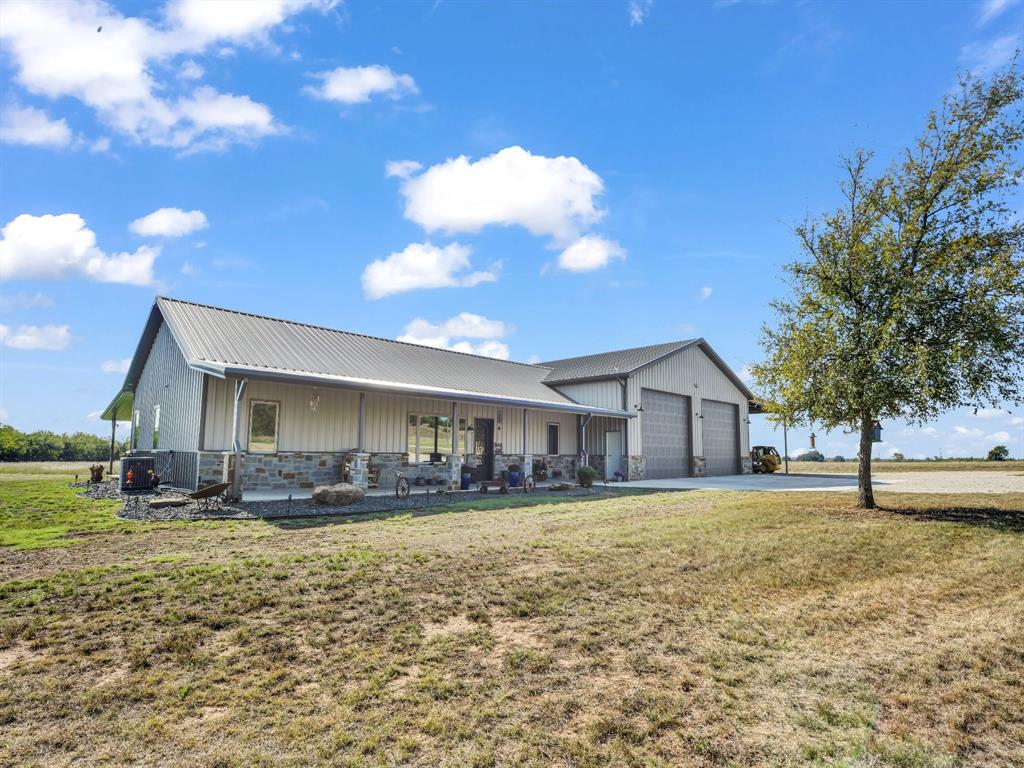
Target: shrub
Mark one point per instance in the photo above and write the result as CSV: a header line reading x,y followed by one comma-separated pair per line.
x,y
811,455
838,458
586,475
896,456
513,467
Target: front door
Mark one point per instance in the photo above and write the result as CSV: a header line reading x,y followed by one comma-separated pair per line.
x,y
483,448
612,454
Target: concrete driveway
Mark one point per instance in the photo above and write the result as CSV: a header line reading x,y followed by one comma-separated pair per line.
x,y
898,482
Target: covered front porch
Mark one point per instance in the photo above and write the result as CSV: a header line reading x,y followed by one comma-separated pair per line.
x,y
286,439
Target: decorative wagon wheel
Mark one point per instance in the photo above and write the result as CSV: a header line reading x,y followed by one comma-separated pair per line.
x,y
401,486
529,484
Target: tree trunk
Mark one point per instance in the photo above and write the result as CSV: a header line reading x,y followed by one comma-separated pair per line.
x,y
865,495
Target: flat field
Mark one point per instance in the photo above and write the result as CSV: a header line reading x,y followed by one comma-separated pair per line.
x,y
886,467
676,629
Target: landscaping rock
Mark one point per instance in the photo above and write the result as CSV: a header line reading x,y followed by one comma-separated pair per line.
x,y
340,495
168,501
561,487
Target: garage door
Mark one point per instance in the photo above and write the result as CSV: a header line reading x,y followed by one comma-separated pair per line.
x,y
721,430
665,426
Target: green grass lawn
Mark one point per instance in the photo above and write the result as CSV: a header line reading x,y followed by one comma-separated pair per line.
x,y
686,629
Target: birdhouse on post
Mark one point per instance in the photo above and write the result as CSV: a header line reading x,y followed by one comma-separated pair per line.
x,y
876,431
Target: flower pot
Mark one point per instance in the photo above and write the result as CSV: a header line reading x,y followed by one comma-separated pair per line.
x,y
467,477
513,479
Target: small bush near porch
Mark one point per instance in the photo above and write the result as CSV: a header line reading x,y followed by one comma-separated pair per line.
x,y
664,630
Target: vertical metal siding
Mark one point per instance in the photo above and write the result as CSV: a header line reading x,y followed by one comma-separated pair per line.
x,y
334,425
167,381
688,372
600,394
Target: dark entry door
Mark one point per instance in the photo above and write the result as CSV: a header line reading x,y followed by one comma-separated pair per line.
x,y
483,448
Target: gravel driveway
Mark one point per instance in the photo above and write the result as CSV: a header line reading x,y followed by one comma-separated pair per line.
x,y
896,482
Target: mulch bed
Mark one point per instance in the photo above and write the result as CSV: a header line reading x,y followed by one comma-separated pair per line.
x,y
137,507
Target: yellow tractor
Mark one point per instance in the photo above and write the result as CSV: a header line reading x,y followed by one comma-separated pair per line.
x,y
765,459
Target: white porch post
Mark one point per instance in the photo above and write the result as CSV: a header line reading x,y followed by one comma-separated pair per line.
x,y
236,444
360,437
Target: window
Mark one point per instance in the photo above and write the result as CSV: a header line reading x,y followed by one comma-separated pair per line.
x,y
429,435
262,426
135,429
552,439
156,427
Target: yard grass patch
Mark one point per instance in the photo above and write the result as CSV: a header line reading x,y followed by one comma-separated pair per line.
x,y
698,628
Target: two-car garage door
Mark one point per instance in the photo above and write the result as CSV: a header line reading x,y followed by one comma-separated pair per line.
x,y
665,427
666,431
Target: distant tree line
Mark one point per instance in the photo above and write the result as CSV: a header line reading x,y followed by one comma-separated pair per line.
x,y
49,446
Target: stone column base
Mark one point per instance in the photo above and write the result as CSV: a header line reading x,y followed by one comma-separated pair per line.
x,y
361,470
636,468
746,465
699,468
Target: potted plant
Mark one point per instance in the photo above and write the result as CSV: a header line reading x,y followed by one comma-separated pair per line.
x,y
586,475
513,475
619,476
467,478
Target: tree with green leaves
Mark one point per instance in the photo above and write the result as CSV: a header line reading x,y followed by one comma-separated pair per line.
x,y
908,300
999,453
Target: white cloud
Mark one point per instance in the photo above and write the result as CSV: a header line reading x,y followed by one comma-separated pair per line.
x,y
747,373
28,125
188,268
16,301
1001,436
100,145
115,64
990,9
191,70
466,325
972,432
638,11
169,222
553,196
930,431
1017,421
401,169
989,413
590,252
4,414
705,293
357,85
51,247
116,366
49,337
422,265
533,359
986,55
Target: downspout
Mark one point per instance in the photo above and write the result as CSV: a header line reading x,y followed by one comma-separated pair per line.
x,y
624,381
236,445
113,440
584,457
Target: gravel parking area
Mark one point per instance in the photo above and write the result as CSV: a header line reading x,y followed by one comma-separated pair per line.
x,y
894,482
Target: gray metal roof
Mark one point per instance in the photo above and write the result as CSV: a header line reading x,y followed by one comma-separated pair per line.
x,y
609,364
226,342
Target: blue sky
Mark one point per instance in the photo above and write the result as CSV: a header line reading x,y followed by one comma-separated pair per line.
x,y
534,180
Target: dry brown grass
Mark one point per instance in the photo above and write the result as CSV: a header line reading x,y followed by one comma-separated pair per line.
x,y
688,629
884,467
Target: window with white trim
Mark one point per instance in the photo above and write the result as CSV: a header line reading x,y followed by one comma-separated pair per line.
x,y
263,426
552,439
429,435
